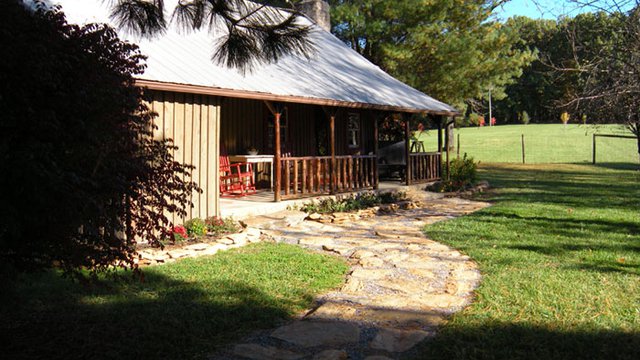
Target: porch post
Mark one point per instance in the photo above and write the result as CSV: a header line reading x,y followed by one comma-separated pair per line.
x,y
332,139
440,118
407,149
446,145
375,150
276,160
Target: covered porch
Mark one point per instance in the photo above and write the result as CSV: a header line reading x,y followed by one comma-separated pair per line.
x,y
310,150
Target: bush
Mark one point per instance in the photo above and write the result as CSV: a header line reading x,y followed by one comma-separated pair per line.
x,y
524,118
463,172
196,227
82,176
217,226
352,202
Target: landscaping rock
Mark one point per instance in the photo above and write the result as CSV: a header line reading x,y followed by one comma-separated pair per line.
x,y
314,216
331,355
394,341
317,333
197,247
225,241
258,352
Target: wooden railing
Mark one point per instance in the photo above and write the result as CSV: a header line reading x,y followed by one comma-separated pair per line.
x,y
305,176
425,167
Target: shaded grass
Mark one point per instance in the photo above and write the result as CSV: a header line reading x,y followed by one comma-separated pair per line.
x,y
183,310
560,256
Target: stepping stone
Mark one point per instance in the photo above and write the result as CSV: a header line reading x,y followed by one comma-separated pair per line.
x,y
258,352
393,340
316,333
196,247
331,355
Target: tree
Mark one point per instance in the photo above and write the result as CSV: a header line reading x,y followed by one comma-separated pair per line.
x,y
82,176
452,50
252,32
609,65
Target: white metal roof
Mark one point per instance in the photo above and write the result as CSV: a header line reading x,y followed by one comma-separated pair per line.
x,y
333,72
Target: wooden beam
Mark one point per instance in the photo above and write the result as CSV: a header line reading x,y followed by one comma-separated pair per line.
x,y
440,118
446,145
276,160
332,165
439,134
407,148
375,150
271,107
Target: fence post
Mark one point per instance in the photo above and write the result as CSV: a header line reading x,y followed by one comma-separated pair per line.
x,y
523,149
458,147
594,149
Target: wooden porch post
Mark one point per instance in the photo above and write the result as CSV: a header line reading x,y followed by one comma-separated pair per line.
x,y
276,111
375,150
331,114
332,165
440,118
407,149
276,157
446,145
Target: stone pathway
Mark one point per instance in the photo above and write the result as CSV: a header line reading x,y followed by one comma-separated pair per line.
x,y
402,286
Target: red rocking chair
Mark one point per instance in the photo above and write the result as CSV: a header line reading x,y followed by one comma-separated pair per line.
x,y
236,179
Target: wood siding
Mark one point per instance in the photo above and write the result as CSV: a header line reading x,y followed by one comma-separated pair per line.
x,y
193,122
245,122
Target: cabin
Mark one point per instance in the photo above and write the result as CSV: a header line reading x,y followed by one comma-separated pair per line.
x,y
308,125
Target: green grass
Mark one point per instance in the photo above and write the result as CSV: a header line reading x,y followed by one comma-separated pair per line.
x,y
560,257
544,143
183,310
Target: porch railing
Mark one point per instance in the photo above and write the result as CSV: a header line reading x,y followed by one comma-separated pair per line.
x,y
425,166
307,176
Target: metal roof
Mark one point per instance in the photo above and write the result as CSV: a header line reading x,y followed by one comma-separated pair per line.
x,y
333,74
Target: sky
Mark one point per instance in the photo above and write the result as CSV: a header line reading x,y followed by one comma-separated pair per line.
x,y
548,9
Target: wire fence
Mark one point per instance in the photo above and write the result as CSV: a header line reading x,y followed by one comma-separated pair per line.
x,y
545,144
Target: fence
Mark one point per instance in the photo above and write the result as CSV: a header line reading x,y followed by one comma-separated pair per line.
x,y
573,145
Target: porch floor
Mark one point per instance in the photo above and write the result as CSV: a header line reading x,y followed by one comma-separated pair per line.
x,y
261,203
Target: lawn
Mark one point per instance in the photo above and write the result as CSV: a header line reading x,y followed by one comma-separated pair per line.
x,y
544,143
183,310
560,256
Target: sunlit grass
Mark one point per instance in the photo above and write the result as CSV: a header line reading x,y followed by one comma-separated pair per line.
x,y
560,256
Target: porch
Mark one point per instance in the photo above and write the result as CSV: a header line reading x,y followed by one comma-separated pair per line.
x,y
316,150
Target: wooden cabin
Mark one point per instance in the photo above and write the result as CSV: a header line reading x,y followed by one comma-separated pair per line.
x,y
316,117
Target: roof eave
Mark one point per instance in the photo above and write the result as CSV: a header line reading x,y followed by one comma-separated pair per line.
x,y
255,95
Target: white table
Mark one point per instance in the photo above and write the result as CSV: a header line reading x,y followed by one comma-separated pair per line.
x,y
255,159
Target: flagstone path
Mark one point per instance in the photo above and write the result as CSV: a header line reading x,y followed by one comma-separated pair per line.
x,y
401,286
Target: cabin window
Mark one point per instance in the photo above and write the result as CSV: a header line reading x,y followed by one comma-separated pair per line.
x,y
284,130
353,130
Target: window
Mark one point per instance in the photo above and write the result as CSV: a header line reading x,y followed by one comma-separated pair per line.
x,y
284,130
353,130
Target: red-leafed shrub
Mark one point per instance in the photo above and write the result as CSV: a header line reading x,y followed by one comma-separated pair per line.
x,y
81,176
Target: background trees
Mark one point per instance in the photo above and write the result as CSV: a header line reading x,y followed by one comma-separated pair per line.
x,y
452,50
81,175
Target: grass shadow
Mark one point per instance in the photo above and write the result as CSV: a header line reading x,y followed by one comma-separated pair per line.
x,y
163,317
503,340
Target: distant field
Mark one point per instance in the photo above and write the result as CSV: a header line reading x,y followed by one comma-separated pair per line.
x,y
544,143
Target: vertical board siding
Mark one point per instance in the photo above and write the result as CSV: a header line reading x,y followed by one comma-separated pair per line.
x,y
193,123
